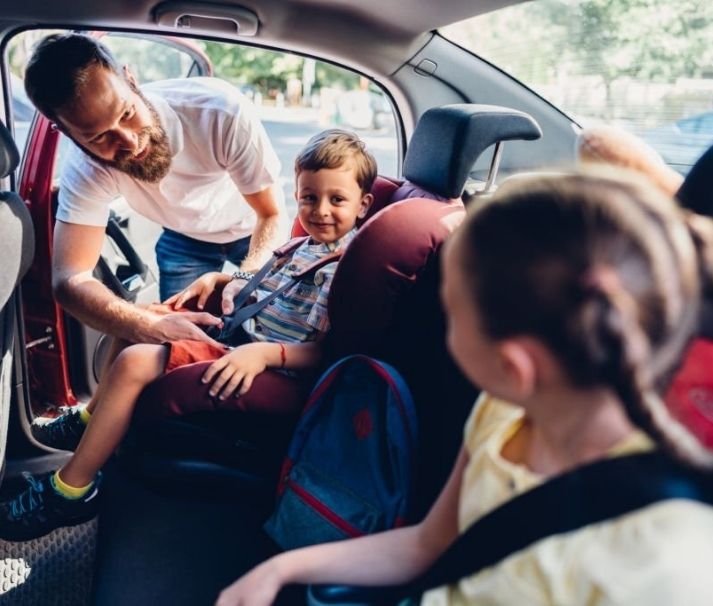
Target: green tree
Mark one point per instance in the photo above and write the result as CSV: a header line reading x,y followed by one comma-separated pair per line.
x,y
548,42
262,68
268,70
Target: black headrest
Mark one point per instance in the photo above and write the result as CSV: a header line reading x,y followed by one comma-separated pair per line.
x,y
448,140
9,156
696,192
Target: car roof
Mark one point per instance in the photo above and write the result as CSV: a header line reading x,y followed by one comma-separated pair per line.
x,y
371,35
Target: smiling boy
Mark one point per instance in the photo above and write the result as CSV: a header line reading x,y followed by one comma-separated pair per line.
x,y
334,175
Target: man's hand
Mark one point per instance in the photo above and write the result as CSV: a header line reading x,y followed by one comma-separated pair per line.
x,y
183,325
237,369
231,291
202,288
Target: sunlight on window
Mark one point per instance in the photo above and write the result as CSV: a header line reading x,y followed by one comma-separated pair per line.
x,y
645,65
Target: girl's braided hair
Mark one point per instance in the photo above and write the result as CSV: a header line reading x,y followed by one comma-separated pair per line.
x,y
605,270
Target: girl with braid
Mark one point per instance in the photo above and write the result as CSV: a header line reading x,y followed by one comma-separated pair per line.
x,y
570,301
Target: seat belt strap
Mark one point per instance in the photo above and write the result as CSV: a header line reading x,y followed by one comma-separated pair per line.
x,y
242,312
593,493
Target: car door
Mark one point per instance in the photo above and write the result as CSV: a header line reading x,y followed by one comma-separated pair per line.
x,y
57,378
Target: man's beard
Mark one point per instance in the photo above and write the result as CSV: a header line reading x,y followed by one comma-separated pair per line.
x,y
155,165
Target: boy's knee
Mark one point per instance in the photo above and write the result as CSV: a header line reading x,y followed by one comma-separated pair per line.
x,y
140,361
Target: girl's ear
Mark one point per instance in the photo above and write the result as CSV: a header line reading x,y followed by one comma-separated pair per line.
x,y
519,368
366,202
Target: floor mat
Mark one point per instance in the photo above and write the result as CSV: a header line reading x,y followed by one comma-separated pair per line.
x,y
54,570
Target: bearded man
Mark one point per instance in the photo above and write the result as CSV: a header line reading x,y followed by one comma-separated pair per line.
x,y
188,153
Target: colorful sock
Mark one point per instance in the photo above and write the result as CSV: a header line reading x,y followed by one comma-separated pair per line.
x,y
65,490
85,415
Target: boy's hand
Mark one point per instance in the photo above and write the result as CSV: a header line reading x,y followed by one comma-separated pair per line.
x,y
202,288
236,369
257,588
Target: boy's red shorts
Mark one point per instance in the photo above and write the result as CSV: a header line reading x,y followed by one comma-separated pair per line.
x,y
186,351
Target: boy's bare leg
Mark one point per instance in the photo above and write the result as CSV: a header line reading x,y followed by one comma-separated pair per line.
x,y
133,369
117,346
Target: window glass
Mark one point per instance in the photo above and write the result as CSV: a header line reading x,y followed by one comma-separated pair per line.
x,y
169,58
645,65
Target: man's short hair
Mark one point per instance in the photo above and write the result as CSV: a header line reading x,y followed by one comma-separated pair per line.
x,y
331,149
58,68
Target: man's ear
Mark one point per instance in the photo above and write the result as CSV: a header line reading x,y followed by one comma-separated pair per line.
x,y
129,75
366,202
519,368
57,125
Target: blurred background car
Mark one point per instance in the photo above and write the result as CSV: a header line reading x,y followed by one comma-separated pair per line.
x,y
682,142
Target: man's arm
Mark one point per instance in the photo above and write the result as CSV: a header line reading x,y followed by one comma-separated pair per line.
x,y
271,230
76,253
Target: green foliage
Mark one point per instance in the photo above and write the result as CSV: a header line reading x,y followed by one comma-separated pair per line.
x,y
328,75
652,39
658,40
249,65
270,70
594,57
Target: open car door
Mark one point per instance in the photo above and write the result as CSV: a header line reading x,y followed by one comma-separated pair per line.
x,y
56,378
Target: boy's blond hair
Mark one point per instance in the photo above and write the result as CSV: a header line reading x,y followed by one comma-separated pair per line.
x,y
331,149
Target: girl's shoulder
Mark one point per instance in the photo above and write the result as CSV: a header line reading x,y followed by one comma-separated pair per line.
x,y
490,417
656,556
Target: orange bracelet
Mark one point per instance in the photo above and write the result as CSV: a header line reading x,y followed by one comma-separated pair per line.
x,y
283,355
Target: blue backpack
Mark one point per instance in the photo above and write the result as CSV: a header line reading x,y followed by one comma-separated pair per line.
x,y
348,468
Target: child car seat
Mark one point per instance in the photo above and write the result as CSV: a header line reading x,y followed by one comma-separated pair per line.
x,y
384,300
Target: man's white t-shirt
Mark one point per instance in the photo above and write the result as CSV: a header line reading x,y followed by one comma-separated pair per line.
x,y
219,150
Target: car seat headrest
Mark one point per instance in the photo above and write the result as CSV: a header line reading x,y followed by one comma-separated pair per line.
x,y
9,156
448,140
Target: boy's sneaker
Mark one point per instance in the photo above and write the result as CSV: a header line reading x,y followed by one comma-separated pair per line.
x,y
40,509
63,432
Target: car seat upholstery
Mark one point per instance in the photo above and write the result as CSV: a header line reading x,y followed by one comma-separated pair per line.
x,y
17,247
384,299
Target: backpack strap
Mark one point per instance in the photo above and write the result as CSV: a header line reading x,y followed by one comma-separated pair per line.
x,y
242,312
587,495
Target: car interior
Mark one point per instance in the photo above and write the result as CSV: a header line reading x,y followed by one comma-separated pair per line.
x,y
185,497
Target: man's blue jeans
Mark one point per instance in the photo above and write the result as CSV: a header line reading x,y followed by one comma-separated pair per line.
x,y
182,259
